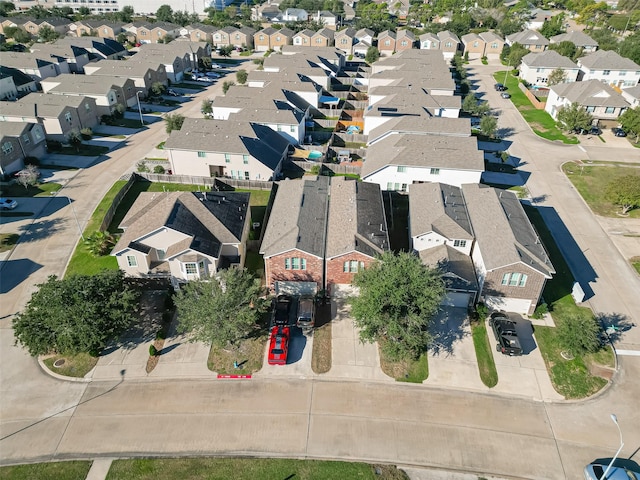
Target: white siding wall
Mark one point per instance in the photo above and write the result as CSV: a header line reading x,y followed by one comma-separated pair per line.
x,y
533,76
624,79
189,163
141,259
390,174
427,240
222,113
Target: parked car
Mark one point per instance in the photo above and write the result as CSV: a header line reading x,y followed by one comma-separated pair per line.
x,y
305,318
216,65
205,79
212,75
594,131
281,312
499,87
595,471
504,330
278,346
7,203
172,93
505,95
618,132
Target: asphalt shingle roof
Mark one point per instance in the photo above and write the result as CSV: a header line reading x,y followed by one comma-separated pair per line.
x,y
579,39
548,59
590,93
607,60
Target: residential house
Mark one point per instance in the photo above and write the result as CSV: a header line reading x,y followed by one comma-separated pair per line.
x,y
536,67
446,42
74,57
363,40
529,39
326,18
599,99
242,37
19,140
510,261
183,235
96,28
58,25
15,21
632,95
609,67
405,40
538,17
580,39
98,48
272,39
266,13
58,114
356,231
293,245
108,92
344,40
397,161
440,233
323,38
294,15
303,38
143,73
199,32
14,83
424,125
153,32
226,148
221,36
493,45
33,65
176,57
387,42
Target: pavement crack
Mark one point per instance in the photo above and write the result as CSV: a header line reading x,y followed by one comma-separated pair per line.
x,y
306,445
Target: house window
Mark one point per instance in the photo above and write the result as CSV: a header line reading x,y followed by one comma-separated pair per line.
x,y
318,40
609,109
161,254
343,41
279,128
387,42
402,169
277,39
87,107
494,45
132,261
352,266
233,174
292,129
448,44
403,43
25,139
295,263
475,44
460,243
245,159
514,279
261,37
227,158
435,171
591,109
606,72
505,278
7,148
67,117
190,268
246,175
523,280
622,74
389,185
202,154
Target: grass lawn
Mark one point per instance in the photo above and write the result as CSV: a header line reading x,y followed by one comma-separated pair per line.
x,y
84,150
592,180
46,471
7,241
540,121
74,365
635,262
255,264
321,354
413,371
38,190
570,378
486,365
246,469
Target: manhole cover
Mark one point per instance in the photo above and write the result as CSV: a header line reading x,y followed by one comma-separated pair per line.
x,y
59,363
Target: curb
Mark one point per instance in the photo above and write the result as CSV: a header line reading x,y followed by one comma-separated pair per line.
x,y
57,376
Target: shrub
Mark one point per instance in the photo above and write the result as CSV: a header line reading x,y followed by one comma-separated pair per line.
x,y
315,169
142,167
86,133
153,351
579,334
159,169
482,311
541,311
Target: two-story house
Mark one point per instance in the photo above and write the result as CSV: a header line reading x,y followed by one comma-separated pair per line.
x,y
485,44
536,67
344,40
529,39
609,67
14,83
445,41
19,140
581,40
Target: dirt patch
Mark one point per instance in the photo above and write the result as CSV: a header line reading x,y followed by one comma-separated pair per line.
x,y
321,355
600,371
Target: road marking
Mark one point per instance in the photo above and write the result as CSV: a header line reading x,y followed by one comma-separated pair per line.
x,y
633,353
582,148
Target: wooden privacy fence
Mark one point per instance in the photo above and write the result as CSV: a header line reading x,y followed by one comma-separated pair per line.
x,y
108,217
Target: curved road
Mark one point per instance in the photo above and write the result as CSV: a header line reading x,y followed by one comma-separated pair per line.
x,y
42,418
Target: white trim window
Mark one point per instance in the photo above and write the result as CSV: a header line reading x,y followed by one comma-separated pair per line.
x,y
295,263
352,266
514,279
132,261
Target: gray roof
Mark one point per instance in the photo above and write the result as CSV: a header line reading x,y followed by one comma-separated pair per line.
x,y
50,50
457,268
607,60
428,151
439,208
298,217
503,231
84,84
633,92
356,219
590,93
448,35
132,68
227,136
201,26
19,78
415,102
365,32
210,219
24,60
528,37
548,59
104,46
579,39
423,125
42,105
13,129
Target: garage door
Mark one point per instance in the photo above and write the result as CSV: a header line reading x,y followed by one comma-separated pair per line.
x,y
456,299
516,305
297,288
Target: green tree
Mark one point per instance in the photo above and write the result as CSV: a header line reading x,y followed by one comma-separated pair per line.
x,y
220,311
164,13
100,243
488,125
574,117
75,138
372,55
630,121
77,314
593,13
630,47
28,176
469,104
625,192
516,52
126,14
207,107
398,298
552,27
173,121
226,85
605,38
566,48
6,8
579,334
122,38
225,51
241,76
157,89
557,76
183,18
47,34
84,11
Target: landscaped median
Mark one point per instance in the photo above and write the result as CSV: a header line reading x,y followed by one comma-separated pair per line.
x,y
540,121
486,365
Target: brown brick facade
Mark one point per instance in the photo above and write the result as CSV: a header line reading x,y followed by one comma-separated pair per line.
x,y
275,270
335,268
532,290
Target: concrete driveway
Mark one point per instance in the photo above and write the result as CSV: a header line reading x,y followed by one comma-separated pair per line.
x,y
298,358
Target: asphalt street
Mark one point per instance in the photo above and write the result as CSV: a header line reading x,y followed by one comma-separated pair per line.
x,y
418,425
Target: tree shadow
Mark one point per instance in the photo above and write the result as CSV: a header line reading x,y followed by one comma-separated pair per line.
x,y
446,329
615,325
505,132
14,272
40,229
168,349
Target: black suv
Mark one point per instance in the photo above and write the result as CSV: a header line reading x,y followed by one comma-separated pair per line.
x,y
505,332
281,316
499,87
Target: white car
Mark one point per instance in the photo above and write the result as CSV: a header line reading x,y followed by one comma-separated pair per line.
x,y
215,65
205,79
7,203
595,471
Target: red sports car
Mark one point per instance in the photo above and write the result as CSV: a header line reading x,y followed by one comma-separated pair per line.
x,y
278,346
